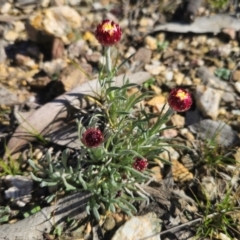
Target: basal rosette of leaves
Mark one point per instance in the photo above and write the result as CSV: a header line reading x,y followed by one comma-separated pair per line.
x,y
119,145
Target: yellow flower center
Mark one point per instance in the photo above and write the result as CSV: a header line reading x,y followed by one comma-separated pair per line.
x,y
107,27
181,94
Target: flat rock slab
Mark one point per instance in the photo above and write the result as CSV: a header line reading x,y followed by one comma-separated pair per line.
x,y
35,226
214,24
217,131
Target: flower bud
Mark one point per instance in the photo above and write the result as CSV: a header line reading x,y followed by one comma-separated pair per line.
x,y
140,164
93,137
180,100
108,33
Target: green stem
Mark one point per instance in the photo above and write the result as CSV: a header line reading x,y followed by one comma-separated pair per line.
x,y
108,61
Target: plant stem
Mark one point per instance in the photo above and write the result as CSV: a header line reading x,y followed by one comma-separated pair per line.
x,y
108,61
112,111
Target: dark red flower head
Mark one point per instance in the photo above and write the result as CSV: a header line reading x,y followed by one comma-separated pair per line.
x,y
140,164
93,137
108,33
180,100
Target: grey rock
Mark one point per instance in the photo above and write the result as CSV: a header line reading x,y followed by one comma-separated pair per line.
x,y
19,190
217,131
7,97
208,100
33,227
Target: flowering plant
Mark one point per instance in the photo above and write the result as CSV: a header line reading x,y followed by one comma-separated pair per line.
x,y
120,142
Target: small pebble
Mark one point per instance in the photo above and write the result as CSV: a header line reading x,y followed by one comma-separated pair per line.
x,y
146,22
19,26
237,86
187,134
109,224
153,69
181,45
150,42
45,3
187,161
169,76
5,8
10,36
178,78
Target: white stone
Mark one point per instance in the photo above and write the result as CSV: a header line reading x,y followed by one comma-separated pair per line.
x,y
236,112
237,86
74,2
10,36
180,45
6,8
141,227
45,3
19,26
169,76
153,69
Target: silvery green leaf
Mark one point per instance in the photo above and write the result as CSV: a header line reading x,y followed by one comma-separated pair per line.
x,y
112,208
136,172
124,208
130,206
128,191
113,181
71,170
67,185
88,209
48,184
84,185
50,198
64,158
33,165
35,178
96,213
49,159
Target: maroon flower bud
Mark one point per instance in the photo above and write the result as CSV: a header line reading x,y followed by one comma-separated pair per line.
x,y
180,100
93,137
108,33
140,164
